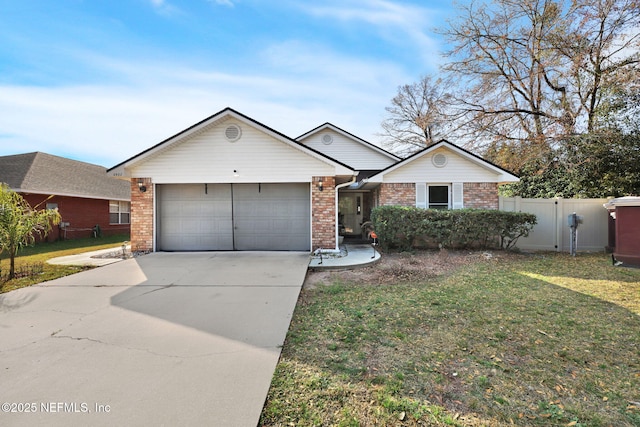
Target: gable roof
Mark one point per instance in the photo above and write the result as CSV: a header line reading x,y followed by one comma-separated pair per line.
x,y
349,135
121,168
41,173
504,175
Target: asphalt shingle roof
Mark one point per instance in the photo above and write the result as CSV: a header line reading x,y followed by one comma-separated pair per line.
x,y
43,173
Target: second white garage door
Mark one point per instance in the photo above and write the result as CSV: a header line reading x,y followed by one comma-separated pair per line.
x,y
197,217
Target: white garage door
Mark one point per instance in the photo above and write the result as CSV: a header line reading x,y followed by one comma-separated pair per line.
x,y
233,217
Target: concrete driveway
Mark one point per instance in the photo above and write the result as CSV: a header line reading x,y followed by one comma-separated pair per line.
x,y
163,339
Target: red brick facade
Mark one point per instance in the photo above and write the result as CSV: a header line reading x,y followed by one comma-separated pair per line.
x,y
141,215
323,212
397,194
82,215
323,216
481,195
477,195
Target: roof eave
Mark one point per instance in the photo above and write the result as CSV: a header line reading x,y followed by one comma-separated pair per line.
x,y
349,135
123,170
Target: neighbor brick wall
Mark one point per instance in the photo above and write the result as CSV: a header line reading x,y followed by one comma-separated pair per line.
x,y
323,213
480,195
81,214
141,216
403,194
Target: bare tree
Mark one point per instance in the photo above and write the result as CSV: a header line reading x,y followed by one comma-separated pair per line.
x,y
534,71
503,56
603,49
416,115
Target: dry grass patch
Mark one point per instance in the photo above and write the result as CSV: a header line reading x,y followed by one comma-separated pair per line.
x,y
464,339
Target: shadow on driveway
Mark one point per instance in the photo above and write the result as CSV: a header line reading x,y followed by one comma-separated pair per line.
x,y
163,339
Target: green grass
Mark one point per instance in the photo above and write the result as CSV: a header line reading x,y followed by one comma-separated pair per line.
x,y
529,340
39,254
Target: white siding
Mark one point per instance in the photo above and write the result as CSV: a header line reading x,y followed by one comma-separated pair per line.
x,y
209,157
457,195
421,195
348,151
457,169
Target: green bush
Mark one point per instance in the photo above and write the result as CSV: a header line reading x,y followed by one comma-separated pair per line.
x,y
406,228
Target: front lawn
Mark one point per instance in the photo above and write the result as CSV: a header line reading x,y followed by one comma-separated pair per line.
x,y
464,339
34,258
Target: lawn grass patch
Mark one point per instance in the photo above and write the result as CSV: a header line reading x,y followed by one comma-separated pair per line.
x,y
35,257
543,339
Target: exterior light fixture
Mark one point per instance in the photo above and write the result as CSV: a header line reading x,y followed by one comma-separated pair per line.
x,y
320,185
141,185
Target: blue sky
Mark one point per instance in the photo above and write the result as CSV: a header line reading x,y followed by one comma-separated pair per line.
x,y
102,80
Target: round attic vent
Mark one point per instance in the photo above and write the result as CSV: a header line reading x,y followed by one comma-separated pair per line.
x,y
439,160
232,133
327,139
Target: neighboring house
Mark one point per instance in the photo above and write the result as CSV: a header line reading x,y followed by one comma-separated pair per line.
x,y
232,183
84,194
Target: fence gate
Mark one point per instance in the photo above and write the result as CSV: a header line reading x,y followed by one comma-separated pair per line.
x,y
552,231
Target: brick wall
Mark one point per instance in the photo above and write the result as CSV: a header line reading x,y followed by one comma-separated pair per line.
x,y
141,216
481,195
397,194
81,214
323,213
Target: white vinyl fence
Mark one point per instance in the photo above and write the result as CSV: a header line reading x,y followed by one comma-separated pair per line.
x,y
552,231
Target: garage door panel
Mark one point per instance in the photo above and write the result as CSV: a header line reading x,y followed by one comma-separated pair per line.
x,y
194,217
271,216
233,216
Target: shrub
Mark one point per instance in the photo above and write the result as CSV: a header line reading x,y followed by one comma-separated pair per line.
x,y
406,228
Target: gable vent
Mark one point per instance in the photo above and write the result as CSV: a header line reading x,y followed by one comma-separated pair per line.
x,y
327,139
439,160
232,133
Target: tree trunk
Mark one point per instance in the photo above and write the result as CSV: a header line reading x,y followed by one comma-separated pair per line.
x,y
12,262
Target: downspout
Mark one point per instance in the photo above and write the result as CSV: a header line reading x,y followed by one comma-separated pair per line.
x,y
338,187
321,251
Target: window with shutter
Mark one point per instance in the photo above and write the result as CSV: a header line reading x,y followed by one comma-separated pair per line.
x,y
439,196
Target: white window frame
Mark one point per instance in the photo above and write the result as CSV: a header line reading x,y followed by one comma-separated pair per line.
x,y
455,194
120,208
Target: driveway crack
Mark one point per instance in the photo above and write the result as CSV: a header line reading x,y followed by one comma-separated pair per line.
x,y
172,356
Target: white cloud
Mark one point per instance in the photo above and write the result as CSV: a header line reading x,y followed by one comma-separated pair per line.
x,y
108,123
164,8
403,24
228,3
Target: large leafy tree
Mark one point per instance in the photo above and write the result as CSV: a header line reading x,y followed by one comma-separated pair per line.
x,y
20,224
606,163
601,163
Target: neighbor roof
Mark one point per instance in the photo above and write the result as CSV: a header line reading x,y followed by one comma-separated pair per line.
x,y
41,173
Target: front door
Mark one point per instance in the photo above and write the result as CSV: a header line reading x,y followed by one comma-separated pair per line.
x,y
350,213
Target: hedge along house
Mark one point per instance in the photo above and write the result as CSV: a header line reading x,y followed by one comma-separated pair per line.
x,y
441,176
232,183
83,193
